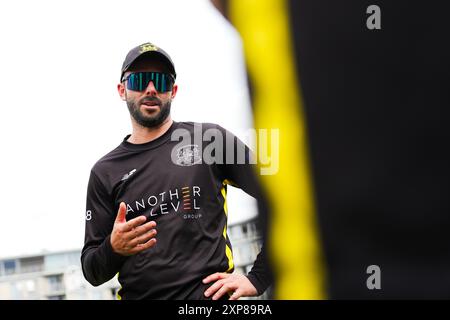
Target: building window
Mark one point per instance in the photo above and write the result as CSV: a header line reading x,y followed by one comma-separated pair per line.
x,y
57,297
55,283
33,264
10,267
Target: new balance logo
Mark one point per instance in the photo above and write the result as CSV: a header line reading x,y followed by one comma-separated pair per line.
x,y
127,175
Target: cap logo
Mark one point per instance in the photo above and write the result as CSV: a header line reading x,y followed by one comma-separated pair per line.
x,y
148,47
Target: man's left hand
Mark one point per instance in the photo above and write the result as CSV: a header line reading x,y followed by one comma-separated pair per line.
x,y
237,284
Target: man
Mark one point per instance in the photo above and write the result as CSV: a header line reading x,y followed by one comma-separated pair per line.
x,y
156,210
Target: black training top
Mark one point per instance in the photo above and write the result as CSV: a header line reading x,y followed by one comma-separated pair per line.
x,y
169,181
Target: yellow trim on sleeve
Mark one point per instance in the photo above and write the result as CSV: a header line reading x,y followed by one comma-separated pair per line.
x,y
228,251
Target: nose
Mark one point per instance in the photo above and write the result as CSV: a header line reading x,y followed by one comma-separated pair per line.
x,y
151,90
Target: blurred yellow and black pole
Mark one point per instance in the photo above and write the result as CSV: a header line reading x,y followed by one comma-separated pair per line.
x,y
292,237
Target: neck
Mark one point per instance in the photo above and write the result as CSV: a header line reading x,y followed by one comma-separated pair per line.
x,y
143,134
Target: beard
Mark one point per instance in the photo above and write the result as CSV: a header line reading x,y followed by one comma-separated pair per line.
x,y
149,121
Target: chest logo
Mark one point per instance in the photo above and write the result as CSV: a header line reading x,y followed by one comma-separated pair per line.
x,y
188,155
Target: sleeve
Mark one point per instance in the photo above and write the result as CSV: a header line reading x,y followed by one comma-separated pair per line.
x,y
99,262
238,168
243,174
260,275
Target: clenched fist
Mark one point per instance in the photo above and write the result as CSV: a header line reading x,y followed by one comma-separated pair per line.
x,y
129,238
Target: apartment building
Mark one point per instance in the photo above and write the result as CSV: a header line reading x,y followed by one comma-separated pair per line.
x,y
58,275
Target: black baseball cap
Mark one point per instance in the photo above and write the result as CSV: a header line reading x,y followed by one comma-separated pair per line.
x,y
147,49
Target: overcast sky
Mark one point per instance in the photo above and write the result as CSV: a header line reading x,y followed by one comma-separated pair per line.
x,y
60,112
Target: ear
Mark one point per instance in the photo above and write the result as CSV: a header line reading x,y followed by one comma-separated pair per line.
x,y
121,91
174,90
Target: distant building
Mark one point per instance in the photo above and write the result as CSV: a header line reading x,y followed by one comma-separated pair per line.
x,y
52,276
58,276
246,241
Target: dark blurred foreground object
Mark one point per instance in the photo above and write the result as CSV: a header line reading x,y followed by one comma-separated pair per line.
x,y
372,109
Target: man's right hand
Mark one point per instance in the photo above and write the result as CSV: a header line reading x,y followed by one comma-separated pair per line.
x,y
129,238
